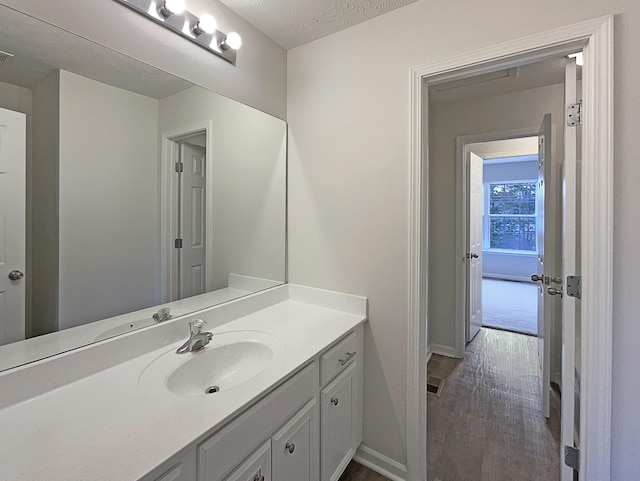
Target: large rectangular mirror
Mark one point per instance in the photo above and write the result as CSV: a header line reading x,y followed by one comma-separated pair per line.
x,y
129,196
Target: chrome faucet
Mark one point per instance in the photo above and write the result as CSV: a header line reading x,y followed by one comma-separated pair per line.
x,y
162,315
197,339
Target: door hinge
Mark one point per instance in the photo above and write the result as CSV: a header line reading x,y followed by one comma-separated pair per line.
x,y
178,243
574,286
572,457
574,114
179,167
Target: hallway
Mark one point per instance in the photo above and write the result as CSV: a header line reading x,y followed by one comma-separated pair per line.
x,y
487,423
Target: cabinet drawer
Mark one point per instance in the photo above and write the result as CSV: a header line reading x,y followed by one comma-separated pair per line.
x,y
223,451
338,358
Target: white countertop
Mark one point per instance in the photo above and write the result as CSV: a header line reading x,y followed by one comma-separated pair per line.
x,y
106,427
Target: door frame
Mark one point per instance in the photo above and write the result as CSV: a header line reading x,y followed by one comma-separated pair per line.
x,y
595,38
168,193
462,219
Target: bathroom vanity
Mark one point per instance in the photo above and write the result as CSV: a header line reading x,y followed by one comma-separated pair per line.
x,y
276,395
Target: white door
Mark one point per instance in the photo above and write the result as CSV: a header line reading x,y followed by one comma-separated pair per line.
x,y
474,256
12,225
545,242
193,221
570,266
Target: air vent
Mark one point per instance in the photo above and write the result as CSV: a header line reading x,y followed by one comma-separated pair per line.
x,y
510,73
4,56
434,385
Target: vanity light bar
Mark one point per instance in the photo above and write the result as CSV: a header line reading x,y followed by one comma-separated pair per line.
x,y
187,25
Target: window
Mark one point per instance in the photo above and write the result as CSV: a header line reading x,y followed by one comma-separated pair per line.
x,y
511,221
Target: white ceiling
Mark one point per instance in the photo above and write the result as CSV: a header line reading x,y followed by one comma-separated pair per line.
x,y
292,23
40,49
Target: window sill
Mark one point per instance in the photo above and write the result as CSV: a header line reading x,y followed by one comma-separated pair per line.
x,y
507,252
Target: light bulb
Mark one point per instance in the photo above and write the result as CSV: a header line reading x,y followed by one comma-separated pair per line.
x,y
172,7
233,41
206,24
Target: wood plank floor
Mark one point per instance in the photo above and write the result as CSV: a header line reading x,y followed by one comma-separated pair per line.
x,y
487,423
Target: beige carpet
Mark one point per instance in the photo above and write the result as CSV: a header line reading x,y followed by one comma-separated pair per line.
x,y
510,305
487,424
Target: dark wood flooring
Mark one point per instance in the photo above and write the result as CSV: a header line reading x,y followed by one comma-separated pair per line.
x,y
487,423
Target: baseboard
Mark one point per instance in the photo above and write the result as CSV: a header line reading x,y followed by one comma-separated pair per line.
x,y
429,352
381,464
441,349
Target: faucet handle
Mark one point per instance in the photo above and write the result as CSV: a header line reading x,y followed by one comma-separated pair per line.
x,y
196,326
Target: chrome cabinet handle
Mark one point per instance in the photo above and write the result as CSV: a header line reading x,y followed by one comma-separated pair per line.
x,y
348,358
291,447
258,477
16,275
334,401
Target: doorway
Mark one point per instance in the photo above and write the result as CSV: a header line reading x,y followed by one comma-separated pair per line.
x,y
186,188
508,232
502,233
595,190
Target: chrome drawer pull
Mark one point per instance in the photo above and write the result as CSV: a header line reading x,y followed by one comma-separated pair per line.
x,y
258,477
291,447
348,358
334,401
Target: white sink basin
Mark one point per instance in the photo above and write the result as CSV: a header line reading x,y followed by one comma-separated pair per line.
x,y
228,361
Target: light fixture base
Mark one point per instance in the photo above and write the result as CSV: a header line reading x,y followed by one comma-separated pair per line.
x,y
182,24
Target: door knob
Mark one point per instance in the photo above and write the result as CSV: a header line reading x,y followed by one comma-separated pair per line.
x,y
16,275
537,278
555,291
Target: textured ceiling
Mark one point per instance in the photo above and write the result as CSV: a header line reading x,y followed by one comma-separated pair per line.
x,y
40,49
292,23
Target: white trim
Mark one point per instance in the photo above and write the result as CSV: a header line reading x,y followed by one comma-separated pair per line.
x,y
381,464
442,350
595,37
168,193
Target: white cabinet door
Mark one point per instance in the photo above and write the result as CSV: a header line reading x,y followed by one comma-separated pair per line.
x,y
296,447
256,468
338,424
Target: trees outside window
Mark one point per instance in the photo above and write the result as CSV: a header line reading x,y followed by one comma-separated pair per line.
x,y
511,209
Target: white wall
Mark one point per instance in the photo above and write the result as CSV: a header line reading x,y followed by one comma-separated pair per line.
x,y
108,211
349,114
248,152
258,79
44,205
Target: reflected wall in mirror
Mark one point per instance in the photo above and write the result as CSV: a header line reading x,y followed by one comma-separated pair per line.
x,y
129,196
